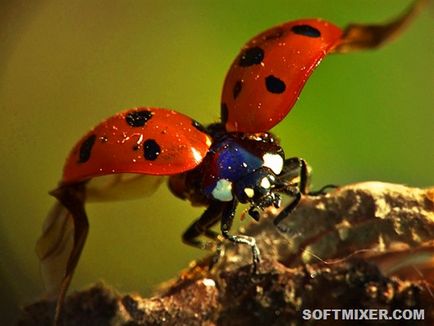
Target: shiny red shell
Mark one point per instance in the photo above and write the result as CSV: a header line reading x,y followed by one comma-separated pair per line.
x,y
150,141
266,78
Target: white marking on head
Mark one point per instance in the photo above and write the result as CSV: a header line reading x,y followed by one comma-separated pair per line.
x,y
223,190
265,183
249,192
274,162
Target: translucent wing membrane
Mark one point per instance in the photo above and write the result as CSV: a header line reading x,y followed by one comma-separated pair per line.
x,y
122,186
358,37
54,247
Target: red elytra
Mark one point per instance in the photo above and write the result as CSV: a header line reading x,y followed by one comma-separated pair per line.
x,y
266,78
119,145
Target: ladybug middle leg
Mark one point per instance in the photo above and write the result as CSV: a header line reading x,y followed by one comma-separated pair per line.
x,y
203,225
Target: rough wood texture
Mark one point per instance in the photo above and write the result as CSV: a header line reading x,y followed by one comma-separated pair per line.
x,y
366,245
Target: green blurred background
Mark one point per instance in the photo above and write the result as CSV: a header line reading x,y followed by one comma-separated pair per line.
x,y
66,65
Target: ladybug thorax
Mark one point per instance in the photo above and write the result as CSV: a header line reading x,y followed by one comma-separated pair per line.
x,y
242,167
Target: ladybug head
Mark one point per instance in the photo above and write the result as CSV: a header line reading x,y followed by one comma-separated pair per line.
x,y
258,189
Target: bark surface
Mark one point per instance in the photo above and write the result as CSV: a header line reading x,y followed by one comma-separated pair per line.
x,y
363,246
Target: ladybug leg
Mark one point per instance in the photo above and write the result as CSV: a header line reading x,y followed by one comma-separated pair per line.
x,y
226,224
291,166
293,192
296,167
73,198
323,190
202,226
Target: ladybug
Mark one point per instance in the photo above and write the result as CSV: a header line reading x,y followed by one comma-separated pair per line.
x,y
236,160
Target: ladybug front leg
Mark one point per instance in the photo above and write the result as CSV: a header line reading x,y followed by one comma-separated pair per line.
x,y
323,190
295,167
226,224
202,226
293,192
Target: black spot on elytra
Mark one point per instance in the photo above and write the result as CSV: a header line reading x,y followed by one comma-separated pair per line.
x,y
224,112
252,56
274,85
306,30
86,149
138,118
237,89
151,150
198,126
